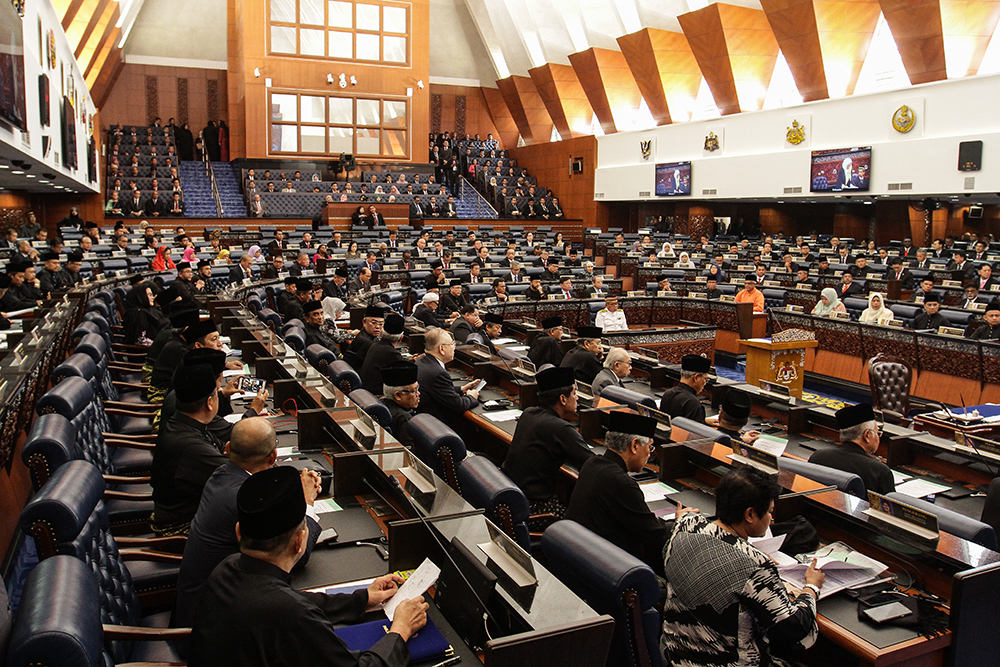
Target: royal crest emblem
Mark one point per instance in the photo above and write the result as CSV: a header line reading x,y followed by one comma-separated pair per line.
x,y
904,119
646,147
796,134
711,142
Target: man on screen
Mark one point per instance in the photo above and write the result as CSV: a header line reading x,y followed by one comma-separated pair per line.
x,y
846,177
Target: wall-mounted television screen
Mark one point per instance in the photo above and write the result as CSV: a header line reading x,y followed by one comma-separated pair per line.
x,y
673,178
12,105
841,170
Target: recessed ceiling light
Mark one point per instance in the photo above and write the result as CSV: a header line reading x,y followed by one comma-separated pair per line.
x,y
3,166
30,175
17,171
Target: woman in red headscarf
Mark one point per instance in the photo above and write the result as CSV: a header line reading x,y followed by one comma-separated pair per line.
x,y
162,261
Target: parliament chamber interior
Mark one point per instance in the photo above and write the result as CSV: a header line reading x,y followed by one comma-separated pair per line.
x,y
623,333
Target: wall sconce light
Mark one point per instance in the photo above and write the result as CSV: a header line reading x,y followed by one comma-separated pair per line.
x,y
343,81
420,84
256,72
329,78
354,81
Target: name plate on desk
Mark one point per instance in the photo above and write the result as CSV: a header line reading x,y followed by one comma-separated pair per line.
x,y
972,444
772,283
480,350
803,286
951,283
841,316
417,472
735,281
635,293
584,391
978,307
490,300
951,331
902,519
395,286
776,390
607,276
662,418
757,458
728,298
507,559
697,295
874,276
364,428
746,267
896,324
701,279
557,297
793,309
666,292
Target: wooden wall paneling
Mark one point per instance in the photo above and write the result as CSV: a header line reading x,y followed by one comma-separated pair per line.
x,y
78,24
103,49
564,99
501,116
235,79
127,103
108,77
736,51
665,70
477,115
97,13
549,163
845,33
607,80
919,34
793,23
968,26
69,10
527,108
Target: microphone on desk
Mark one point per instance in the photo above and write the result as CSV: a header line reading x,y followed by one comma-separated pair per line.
x,y
970,441
770,311
486,614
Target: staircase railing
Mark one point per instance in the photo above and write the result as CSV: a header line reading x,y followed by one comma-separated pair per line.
x,y
210,172
471,196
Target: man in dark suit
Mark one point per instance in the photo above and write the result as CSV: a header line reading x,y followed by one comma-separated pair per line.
x,y
282,298
401,394
406,263
545,348
438,395
426,311
931,319
898,272
453,300
362,283
984,281
135,206
938,250
847,286
251,449
337,286
371,329
242,270
585,358
921,260
859,437
375,219
432,209
566,287
382,354
959,264
277,244
608,501
257,208
468,322
979,255
682,399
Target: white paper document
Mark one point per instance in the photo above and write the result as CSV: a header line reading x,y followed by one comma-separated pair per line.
x,y
326,505
898,477
414,587
504,341
502,415
654,491
771,445
843,566
918,488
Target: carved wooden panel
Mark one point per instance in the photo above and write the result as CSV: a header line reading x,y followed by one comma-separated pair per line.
x,y
957,357
527,109
502,118
564,98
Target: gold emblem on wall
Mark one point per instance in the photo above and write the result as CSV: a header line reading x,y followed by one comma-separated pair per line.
x,y
646,147
904,119
711,142
796,134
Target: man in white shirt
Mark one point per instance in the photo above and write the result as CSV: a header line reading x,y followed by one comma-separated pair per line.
x,y
610,318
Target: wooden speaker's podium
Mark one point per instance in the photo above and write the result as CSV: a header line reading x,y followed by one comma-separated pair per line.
x,y
780,359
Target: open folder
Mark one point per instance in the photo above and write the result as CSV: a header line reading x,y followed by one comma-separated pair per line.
x,y
427,644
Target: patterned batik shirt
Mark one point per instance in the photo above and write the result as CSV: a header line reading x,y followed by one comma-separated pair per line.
x,y
723,595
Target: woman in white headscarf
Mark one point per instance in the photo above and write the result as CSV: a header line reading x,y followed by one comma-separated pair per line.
x,y
876,311
667,250
332,308
684,262
828,303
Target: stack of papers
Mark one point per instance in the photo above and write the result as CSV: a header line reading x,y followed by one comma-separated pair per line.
x,y
326,505
655,491
771,445
918,488
502,415
843,566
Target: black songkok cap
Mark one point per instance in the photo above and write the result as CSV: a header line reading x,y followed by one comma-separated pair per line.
x,y
202,263
310,306
555,378
168,295
552,322
199,330
632,424
291,280
589,332
493,318
194,383
393,324
303,285
182,317
270,503
750,276
736,405
401,375
74,257
853,415
49,256
695,363
183,265
993,305
455,281
4,281
203,355
341,271
374,311
435,263
932,297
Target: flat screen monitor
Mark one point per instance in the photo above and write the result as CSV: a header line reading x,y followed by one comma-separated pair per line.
x,y
673,178
841,170
12,95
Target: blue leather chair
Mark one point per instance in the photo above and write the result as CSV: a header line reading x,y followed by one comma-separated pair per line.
x,y
296,337
614,582
67,517
59,622
628,397
847,482
292,324
319,357
270,318
486,487
438,446
345,378
686,429
75,400
957,524
377,410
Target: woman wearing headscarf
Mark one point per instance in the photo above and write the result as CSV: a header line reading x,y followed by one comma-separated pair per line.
x,y
224,255
162,261
667,250
715,271
256,253
876,311
828,303
684,262
142,320
188,256
332,308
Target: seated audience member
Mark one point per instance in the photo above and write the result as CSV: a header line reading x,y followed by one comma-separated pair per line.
x,y
585,358
382,353
212,537
925,287
876,312
492,329
401,394
898,271
313,325
425,311
468,322
682,399
990,330
931,319
371,329
859,440
984,281
566,287
499,291
733,416
610,318
750,293
971,298
545,348
828,303
724,595
535,291
617,365
453,300
543,442
438,395
608,501
712,291
252,591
